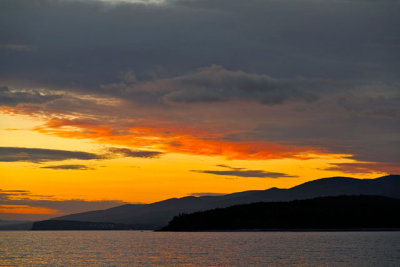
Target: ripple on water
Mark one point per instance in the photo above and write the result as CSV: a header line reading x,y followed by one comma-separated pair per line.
x,y
121,248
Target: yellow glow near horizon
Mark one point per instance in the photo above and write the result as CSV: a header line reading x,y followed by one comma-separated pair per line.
x,y
25,209
148,180
140,180
16,131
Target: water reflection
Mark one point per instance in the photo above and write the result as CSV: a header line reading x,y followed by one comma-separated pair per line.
x,y
121,248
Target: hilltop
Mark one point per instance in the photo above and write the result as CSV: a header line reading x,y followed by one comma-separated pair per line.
x,y
158,214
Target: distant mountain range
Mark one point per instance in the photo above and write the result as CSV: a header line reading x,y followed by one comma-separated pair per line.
x,y
324,213
158,214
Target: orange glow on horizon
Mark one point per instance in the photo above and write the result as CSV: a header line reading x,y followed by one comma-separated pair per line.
x,y
177,173
25,209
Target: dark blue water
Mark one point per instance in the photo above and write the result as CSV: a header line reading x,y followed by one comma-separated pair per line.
x,y
128,248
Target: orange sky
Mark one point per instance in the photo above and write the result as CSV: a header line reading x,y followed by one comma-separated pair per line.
x,y
180,171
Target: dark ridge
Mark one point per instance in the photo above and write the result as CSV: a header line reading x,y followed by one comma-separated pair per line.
x,y
339,212
158,214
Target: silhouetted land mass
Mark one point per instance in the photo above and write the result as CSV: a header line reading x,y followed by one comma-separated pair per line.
x,y
158,214
77,225
340,212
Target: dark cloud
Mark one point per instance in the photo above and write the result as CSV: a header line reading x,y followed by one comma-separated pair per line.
x,y
37,155
68,167
9,97
125,152
365,136
6,194
241,172
248,173
216,84
337,39
23,198
375,100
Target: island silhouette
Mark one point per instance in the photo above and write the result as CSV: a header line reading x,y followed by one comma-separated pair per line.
x,y
157,215
324,213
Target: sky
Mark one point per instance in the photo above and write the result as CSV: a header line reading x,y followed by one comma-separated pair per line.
x,y
104,103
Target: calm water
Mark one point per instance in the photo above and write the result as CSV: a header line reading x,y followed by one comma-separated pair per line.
x,y
122,248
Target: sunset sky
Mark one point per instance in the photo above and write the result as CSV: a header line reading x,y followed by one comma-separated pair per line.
x,y
110,102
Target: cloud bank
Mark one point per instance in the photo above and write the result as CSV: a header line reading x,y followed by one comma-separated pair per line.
x,y
239,79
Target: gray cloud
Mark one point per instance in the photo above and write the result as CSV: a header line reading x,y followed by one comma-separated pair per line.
x,y
216,84
248,173
125,152
365,167
366,136
241,172
68,167
37,155
352,39
11,97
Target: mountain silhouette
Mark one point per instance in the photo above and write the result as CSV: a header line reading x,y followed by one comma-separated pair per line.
x,y
158,214
324,213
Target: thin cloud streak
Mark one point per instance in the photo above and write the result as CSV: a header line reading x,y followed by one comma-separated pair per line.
x,y
38,155
125,152
68,167
244,173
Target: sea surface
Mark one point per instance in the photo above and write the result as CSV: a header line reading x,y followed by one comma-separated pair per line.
x,y
146,248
